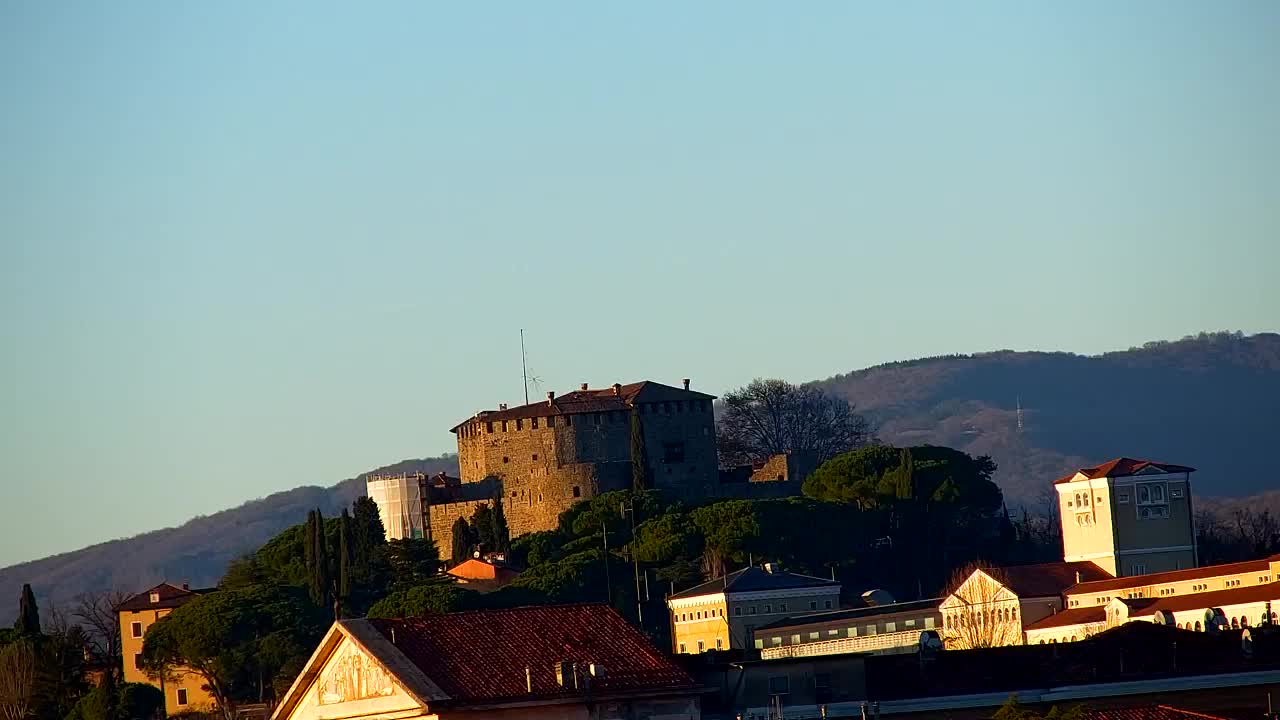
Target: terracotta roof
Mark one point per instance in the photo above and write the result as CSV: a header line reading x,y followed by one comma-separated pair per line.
x,y
1123,467
1217,598
170,597
1047,579
1073,616
753,578
1148,712
1134,581
477,569
481,656
591,400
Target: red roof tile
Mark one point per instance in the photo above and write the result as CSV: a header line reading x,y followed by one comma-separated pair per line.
x,y
1136,581
1074,616
1148,712
592,400
170,596
1217,598
1047,579
481,656
1124,467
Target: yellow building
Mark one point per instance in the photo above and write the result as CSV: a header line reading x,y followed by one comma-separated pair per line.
x,y
722,614
1129,517
535,663
183,691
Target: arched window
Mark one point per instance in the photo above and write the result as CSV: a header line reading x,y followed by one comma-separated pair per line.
x,y
1235,623
1244,622
1041,642
1197,626
1073,638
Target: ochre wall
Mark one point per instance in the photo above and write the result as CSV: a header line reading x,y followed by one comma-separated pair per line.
x,y
131,648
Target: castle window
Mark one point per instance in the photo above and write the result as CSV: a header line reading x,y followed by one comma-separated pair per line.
x,y
534,423
505,459
551,421
719,643
489,426
596,418
519,424
135,629
535,456
673,452
568,421
504,426
577,491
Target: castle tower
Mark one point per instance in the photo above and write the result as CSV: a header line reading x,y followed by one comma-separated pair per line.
x,y
1129,517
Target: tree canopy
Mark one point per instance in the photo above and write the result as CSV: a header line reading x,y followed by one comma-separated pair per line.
x,y
769,417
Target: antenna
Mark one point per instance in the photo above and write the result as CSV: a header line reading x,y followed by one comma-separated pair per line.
x,y
524,368
1019,413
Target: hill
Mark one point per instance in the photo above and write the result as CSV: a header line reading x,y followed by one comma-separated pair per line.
x,y
197,551
1209,401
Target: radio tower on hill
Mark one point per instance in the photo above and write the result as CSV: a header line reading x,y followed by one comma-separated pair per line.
x,y
1019,401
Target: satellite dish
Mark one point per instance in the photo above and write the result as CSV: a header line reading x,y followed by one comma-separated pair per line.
x,y
877,597
1164,618
930,642
1246,642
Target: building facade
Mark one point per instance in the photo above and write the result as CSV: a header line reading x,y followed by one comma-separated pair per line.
x,y
1130,517
875,629
400,499
723,614
183,691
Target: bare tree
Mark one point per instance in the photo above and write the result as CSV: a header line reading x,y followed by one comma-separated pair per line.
x,y
17,680
770,417
979,611
97,613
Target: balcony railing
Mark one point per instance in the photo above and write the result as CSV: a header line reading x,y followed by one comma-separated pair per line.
x,y
906,640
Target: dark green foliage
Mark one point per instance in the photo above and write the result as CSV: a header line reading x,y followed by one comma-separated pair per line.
x,y
413,561
1013,710
501,533
641,473
482,527
369,537
28,623
533,549
462,541
439,595
321,570
344,560
130,701
309,552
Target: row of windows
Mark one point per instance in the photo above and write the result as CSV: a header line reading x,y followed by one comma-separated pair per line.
x,y
1164,592
980,618
702,646
781,685
597,418
837,633
699,615
782,607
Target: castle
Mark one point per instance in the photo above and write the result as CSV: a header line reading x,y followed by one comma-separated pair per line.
x,y
543,457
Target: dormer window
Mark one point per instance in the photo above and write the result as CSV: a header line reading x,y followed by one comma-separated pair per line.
x,y
155,597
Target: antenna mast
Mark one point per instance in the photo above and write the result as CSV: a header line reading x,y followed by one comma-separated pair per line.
x,y
1019,410
524,368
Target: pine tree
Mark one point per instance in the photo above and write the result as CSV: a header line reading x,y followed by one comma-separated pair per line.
x,y
501,533
461,540
28,623
344,561
641,475
322,579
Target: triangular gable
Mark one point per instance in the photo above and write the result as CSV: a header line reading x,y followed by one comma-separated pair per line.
x,y
356,672
1152,470
978,589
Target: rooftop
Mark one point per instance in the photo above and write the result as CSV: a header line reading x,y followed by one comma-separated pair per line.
x,y
167,596
1135,581
482,655
815,618
1124,467
1148,712
752,578
1073,616
587,400
1217,598
1047,579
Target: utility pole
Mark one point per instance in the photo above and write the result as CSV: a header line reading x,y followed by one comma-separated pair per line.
x,y
524,368
624,509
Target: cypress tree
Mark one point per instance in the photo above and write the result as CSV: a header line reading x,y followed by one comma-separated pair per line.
x,y
28,623
461,540
906,486
309,545
322,579
501,533
344,560
641,476
482,527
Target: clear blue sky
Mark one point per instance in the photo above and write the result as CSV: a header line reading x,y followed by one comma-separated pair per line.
x,y
247,246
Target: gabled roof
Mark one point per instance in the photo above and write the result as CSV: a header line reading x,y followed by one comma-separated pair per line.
x,y
592,400
1073,616
1136,581
170,596
481,656
751,579
1046,579
1123,467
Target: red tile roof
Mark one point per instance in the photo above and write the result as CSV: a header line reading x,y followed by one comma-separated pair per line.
x,y
1217,598
477,569
170,597
1046,579
481,656
1148,712
1124,467
1073,616
592,400
1136,581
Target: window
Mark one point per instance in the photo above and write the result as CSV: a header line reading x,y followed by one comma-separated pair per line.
x,y
135,629
753,609
595,417
782,607
737,611
891,627
768,609
504,426
682,648
699,646
577,491
1122,498
489,426
813,636
672,452
822,688
852,632
534,423
551,421
795,639
833,633
1175,492
759,644
568,421
779,684
535,457
182,696
505,460
813,604
928,623
137,660
827,604
909,623
871,629
719,643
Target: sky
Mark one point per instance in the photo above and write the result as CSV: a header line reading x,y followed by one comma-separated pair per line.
x,y
250,246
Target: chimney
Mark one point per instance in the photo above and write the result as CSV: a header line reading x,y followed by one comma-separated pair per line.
x,y
685,382
502,406
551,397
584,387
617,389
186,585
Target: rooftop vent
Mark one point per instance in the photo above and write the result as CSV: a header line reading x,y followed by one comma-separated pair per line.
x,y
502,406
584,387
686,383
551,397
617,389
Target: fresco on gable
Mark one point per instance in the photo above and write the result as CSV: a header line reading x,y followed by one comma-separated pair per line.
x,y
353,676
